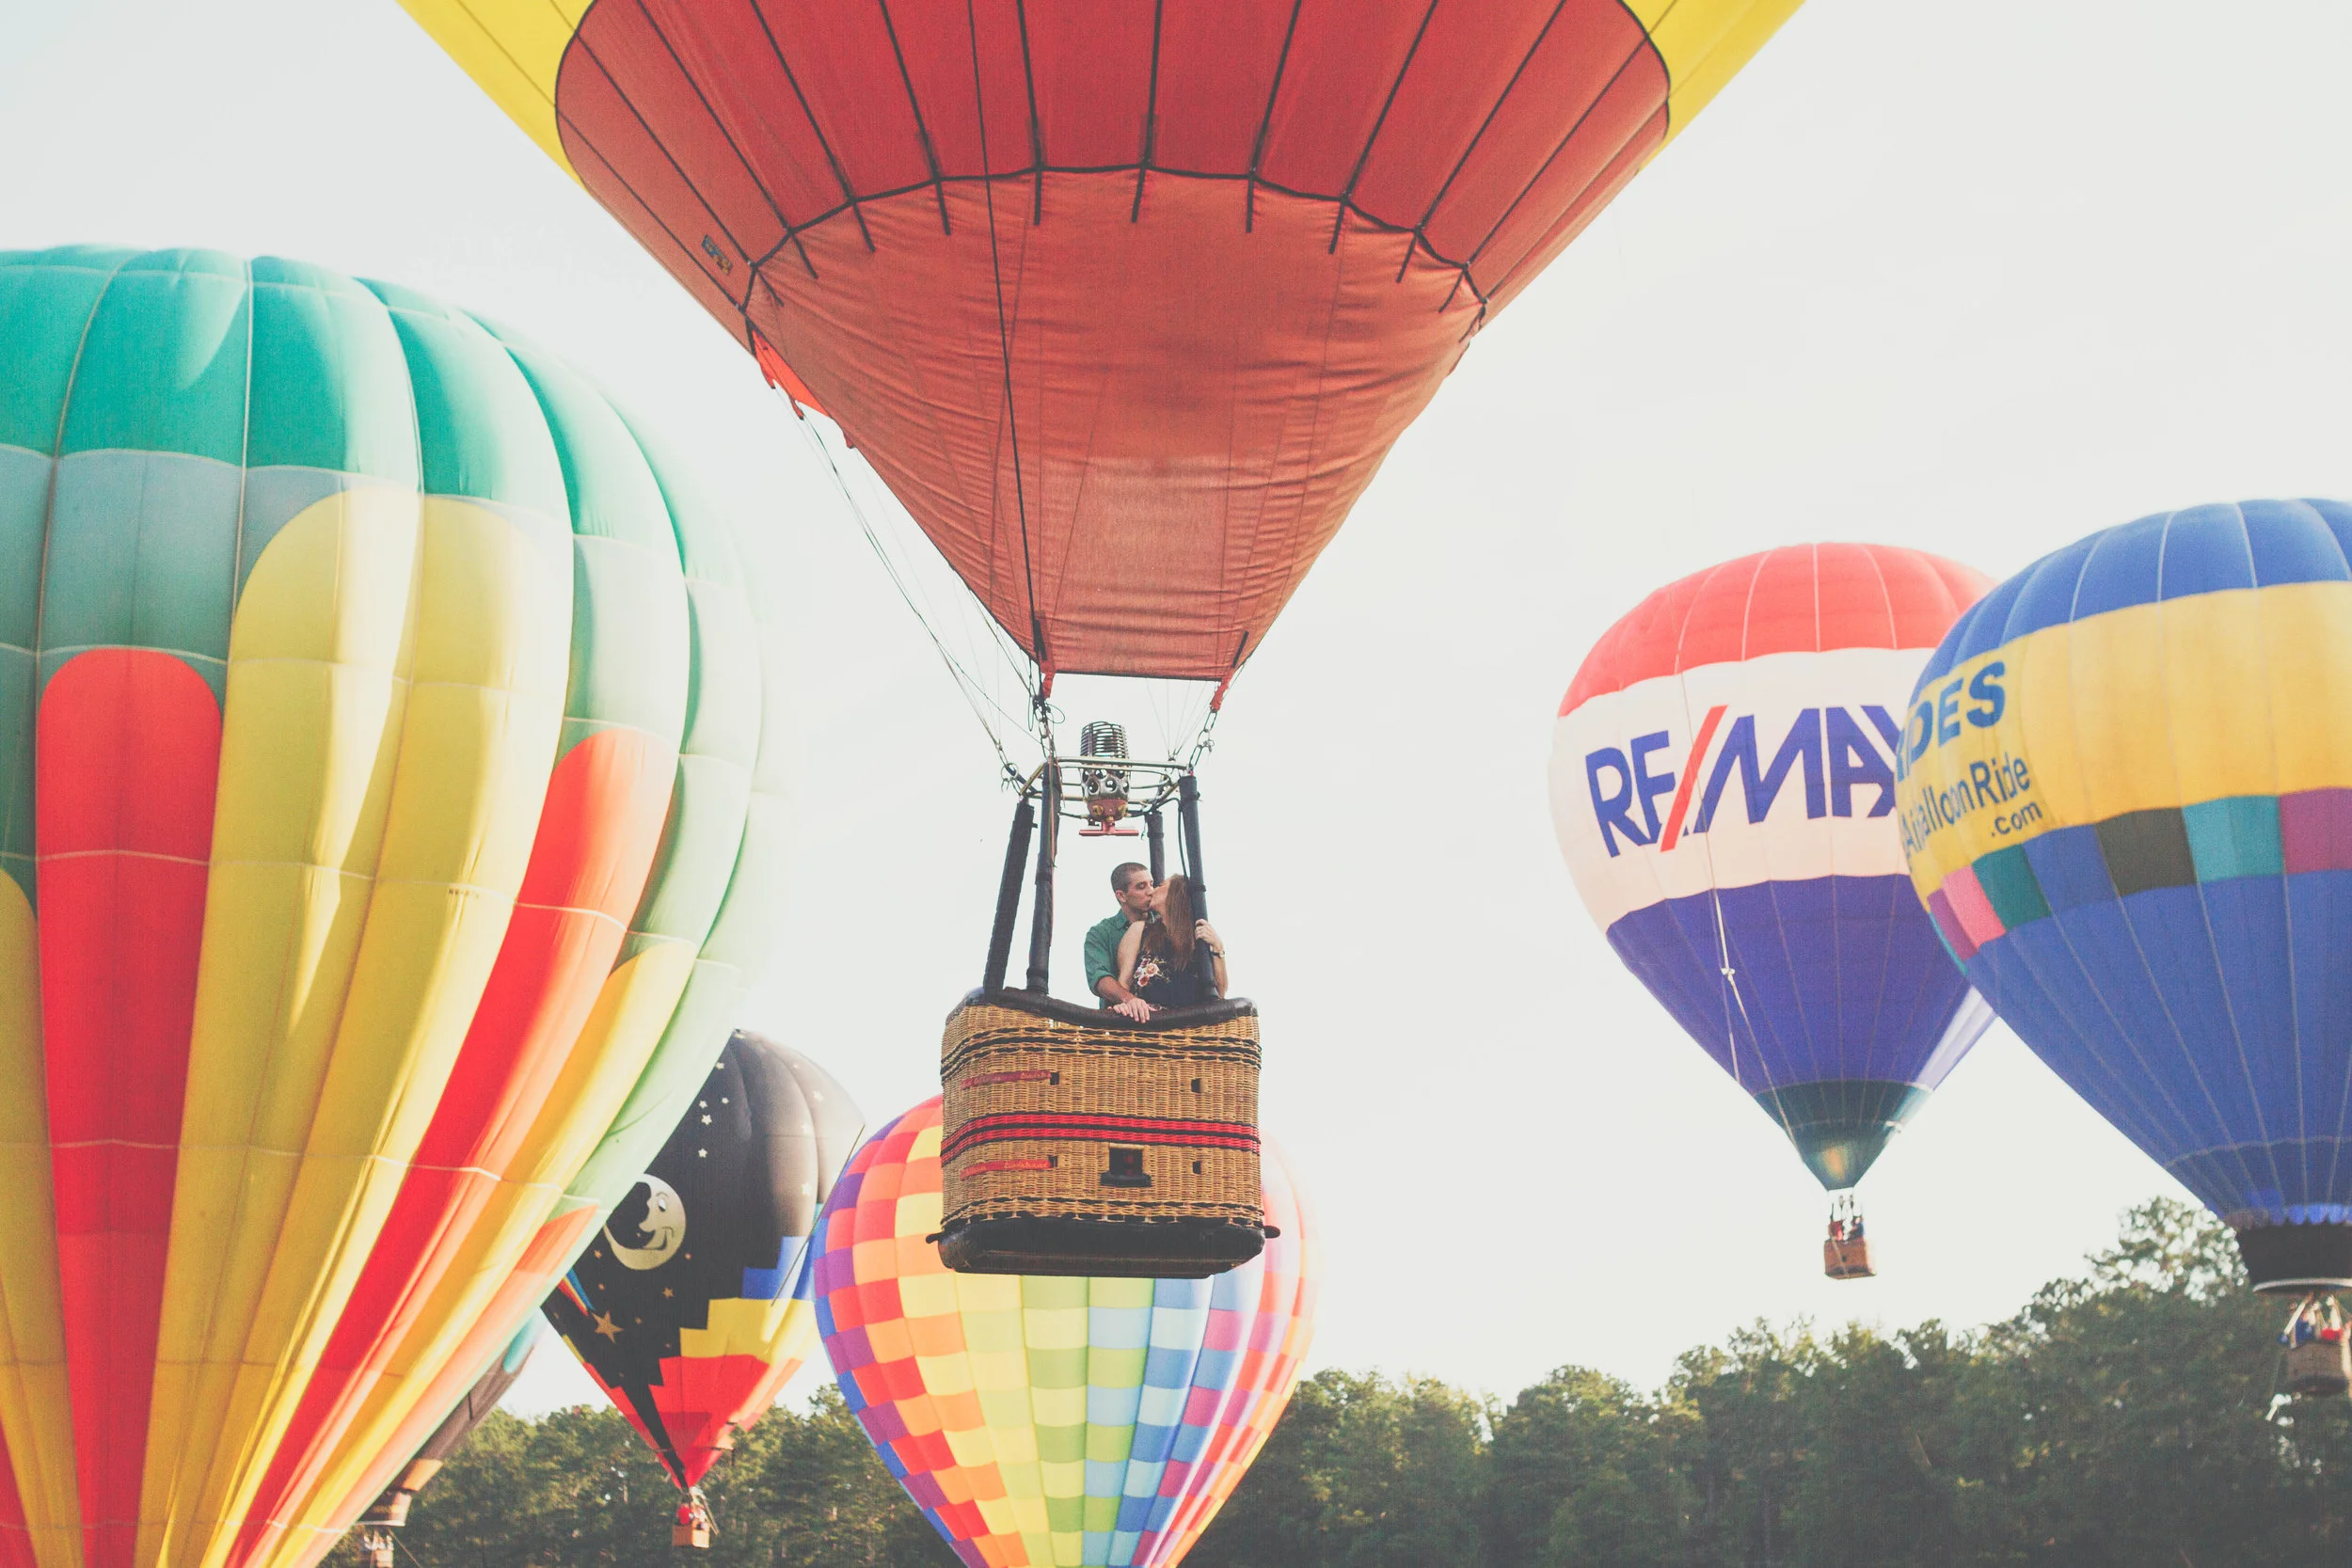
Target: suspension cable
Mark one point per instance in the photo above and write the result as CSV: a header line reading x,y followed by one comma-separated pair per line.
x,y
1004,353
975,695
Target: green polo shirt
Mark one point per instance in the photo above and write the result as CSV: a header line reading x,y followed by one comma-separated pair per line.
x,y
1103,938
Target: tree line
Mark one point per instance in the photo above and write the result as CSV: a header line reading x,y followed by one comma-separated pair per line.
x,y
2130,1416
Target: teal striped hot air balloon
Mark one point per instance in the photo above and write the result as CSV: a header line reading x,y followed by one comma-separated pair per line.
x,y
389,822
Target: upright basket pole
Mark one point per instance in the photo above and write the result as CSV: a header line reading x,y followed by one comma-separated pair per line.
x,y
1156,837
1009,895
1188,820
1041,902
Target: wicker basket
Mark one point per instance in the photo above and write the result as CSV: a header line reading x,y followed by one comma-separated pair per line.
x,y
1078,1142
2319,1369
1847,1259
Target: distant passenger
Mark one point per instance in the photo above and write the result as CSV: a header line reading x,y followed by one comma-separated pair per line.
x,y
1131,884
1176,960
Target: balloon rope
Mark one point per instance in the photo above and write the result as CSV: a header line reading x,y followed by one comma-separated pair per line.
x,y
974,694
1004,351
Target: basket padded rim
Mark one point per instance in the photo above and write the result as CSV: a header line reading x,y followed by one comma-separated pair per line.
x,y
1090,1016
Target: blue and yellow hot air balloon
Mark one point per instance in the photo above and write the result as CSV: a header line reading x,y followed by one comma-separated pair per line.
x,y
2127,801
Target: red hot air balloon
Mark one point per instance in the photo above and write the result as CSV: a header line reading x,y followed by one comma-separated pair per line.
x,y
1126,302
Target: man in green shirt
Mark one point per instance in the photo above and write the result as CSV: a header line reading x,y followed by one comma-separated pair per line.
x,y
1132,885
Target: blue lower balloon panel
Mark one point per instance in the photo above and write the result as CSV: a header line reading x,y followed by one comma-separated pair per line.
x,y
1842,1009
2211,1023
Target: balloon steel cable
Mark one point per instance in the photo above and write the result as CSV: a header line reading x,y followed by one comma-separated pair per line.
x,y
1724,967
975,695
1003,351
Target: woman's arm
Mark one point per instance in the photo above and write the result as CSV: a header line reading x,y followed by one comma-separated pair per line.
x,y
1130,1005
1205,934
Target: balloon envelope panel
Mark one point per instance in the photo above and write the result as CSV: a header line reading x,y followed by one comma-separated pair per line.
x,y
1722,785
691,1307
1054,1421
458,1425
2127,805
1126,303
714,905
345,660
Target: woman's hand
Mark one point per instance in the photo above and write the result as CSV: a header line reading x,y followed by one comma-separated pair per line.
x,y
1204,932
1135,1008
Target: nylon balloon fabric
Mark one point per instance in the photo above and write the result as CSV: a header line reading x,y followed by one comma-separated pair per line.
x,y
1126,303
690,1308
1041,1422
2128,802
355,691
1723,786
725,848
474,1409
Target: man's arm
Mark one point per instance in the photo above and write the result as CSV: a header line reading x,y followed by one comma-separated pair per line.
x,y
1103,967
1103,978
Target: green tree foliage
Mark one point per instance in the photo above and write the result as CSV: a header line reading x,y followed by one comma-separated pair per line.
x,y
1361,1472
580,1489
2128,1416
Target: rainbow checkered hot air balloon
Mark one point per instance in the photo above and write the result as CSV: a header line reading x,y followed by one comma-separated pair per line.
x,y
1722,785
387,827
1049,1421
2128,802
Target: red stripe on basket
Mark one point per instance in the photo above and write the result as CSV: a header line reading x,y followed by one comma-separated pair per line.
x,y
1069,1128
1102,1118
1029,1075
984,1166
1247,1146
1107,1124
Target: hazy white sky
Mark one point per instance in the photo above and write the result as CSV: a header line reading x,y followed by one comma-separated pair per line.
x,y
1975,278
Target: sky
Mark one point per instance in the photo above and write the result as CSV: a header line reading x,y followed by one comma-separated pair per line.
x,y
1974,279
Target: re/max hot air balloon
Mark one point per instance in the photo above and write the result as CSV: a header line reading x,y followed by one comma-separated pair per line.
x,y
2128,802
1722,785
390,1510
1047,1421
690,1308
379,726
1125,303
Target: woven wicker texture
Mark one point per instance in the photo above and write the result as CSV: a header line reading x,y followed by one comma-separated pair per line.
x,y
1035,1107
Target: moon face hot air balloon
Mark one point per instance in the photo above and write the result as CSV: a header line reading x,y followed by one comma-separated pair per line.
x,y
1722,785
1125,302
1047,1421
2128,802
690,1308
380,729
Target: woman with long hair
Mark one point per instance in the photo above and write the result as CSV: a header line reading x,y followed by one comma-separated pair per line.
x,y
1174,960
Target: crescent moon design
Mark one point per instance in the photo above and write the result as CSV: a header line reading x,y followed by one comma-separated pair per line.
x,y
664,1221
